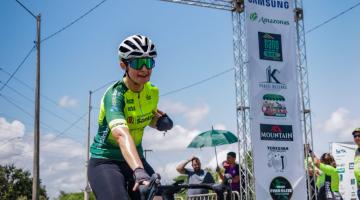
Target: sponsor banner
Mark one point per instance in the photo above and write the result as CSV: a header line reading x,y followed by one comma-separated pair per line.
x,y
344,156
274,100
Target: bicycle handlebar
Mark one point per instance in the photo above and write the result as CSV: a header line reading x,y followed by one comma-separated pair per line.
x,y
167,191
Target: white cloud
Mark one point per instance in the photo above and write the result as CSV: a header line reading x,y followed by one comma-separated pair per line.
x,y
177,138
11,130
168,172
174,107
221,156
339,125
193,115
11,134
61,159
67,102
220,126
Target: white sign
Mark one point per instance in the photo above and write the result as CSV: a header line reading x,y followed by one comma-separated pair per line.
x,y
344,156
274,100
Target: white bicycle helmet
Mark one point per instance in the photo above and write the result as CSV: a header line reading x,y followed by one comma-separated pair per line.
x,y
136,46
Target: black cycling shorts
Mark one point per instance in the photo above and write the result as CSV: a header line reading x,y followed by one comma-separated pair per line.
x,y
112,179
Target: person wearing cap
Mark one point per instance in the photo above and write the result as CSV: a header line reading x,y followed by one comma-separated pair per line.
x,y
356,135
117,165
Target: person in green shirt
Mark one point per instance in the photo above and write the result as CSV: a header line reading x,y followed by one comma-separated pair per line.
x,y
117,165
356,135
327,166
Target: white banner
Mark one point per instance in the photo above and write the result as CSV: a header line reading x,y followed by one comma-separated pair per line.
x,y
344,156
274,101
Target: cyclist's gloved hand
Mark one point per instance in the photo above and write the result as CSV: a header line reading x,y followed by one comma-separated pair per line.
x,y
140,175
164,123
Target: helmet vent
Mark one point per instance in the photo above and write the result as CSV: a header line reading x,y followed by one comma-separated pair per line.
x,y
133,46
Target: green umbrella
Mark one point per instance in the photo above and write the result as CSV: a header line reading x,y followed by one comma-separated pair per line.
x,y
213,138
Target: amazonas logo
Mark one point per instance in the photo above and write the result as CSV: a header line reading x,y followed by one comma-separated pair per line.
x,y
254,17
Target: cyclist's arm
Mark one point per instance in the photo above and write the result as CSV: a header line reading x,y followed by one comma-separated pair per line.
x,y
113,105
127,147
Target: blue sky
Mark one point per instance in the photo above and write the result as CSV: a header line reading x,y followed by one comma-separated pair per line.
x,y
193,43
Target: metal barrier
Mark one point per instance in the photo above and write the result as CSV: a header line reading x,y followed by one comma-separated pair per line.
x,y
212,196
235,195
209,196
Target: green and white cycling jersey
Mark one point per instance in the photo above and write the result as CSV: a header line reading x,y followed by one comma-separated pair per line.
x,y
327,170
357,167
123,107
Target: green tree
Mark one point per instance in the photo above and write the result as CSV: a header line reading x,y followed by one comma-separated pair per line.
x,y
16,183
181,179
214,174
74,196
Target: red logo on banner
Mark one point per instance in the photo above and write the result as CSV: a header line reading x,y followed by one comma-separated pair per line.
x,y
276,129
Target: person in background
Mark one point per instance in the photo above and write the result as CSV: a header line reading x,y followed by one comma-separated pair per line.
x,y
232,168
195,175
328,181
356,135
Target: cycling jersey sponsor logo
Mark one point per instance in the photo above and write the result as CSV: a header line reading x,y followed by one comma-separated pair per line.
x,y
114,109
254,17
280,188
130,120
114,95
148,97
272,80
277,158
281,4
103,135
139,119
144,118
270,46
276,132
129,101
274,105
131,108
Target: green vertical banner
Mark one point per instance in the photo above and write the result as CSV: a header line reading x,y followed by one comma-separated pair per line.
x,y
274,100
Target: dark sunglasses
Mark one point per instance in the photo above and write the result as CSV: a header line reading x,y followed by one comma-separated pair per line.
x,y
358,135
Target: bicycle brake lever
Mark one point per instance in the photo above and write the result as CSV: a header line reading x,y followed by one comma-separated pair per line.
x,y
147,192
